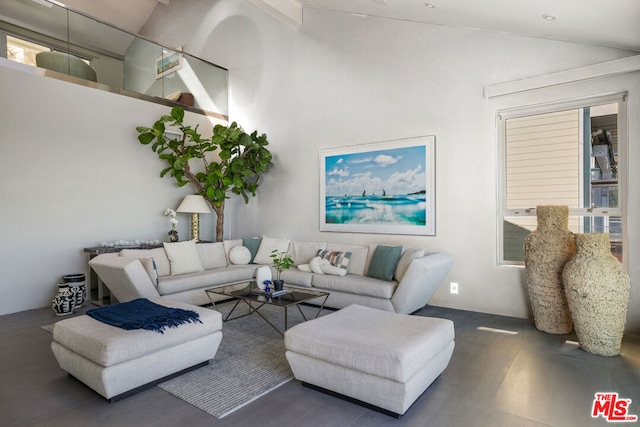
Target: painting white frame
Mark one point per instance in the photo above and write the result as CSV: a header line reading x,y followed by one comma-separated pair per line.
x,y
376,153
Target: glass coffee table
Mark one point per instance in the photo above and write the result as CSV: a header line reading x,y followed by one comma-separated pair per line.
x,y
250,295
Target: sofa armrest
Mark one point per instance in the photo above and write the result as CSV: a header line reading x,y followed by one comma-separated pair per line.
x,y
421,281
125,277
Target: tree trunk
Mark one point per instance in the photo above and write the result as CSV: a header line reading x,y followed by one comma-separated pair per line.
x,y
219,210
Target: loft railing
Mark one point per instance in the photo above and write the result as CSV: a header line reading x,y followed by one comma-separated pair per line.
x,y
121,62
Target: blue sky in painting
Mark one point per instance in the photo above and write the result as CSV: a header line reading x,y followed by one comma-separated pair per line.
x,y
397,171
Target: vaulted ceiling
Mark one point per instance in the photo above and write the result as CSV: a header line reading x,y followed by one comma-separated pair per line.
x,y
612,23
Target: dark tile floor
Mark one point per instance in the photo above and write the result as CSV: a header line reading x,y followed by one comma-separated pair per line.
x,y
521,378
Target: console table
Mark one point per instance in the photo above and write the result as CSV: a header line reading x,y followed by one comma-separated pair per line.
x,y
98,293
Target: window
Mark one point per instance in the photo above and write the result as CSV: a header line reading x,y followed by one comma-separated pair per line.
x,y
23,51
565,154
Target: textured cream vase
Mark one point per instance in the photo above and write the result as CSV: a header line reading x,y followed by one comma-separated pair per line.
x,y
546,251
597,288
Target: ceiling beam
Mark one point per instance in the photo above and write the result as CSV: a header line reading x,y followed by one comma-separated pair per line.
x,y
286,11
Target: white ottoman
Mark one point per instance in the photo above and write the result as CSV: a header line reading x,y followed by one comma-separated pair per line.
x,y
117,363
380,359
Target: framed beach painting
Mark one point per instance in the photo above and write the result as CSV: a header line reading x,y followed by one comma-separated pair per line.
x,y
167,63
384,187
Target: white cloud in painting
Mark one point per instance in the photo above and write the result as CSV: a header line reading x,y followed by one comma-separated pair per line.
x,y
384,160
339,172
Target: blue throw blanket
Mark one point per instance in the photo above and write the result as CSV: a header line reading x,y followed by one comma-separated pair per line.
x,y
143,314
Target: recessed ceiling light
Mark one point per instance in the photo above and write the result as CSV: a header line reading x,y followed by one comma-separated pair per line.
x,y
549,17
430,5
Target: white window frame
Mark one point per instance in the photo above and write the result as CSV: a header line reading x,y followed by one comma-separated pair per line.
x,y
621,211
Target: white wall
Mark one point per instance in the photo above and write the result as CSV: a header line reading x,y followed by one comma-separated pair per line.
x,y
73,175
343,80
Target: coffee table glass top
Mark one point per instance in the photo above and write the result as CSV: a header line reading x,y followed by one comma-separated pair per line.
x,y
248,291
249,294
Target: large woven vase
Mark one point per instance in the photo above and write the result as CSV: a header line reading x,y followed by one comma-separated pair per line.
x,y
597,288
546,251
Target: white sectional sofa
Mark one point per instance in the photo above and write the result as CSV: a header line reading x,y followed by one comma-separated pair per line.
x,y
183,271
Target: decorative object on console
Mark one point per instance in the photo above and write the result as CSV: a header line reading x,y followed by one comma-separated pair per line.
x,y
64,302
281,261
597,288
195,205
385,204
173,233
243,158
546,251
78,286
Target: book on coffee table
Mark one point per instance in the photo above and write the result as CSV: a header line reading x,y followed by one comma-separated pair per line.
x,y
269,294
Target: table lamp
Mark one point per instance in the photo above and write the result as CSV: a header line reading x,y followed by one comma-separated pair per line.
x,y
195,205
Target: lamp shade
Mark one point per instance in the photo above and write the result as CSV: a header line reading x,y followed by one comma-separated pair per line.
x,y
194,204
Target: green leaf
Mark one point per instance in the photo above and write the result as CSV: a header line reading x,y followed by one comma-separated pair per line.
x,y
178,114
146,138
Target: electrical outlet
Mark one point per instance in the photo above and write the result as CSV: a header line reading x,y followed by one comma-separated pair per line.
x,y
454,288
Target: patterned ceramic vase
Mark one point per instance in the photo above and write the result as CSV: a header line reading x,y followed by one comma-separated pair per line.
x,y
597,288
64,302
78,286
546,251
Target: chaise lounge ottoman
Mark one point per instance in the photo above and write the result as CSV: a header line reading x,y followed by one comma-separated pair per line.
x,y
380,359
117,363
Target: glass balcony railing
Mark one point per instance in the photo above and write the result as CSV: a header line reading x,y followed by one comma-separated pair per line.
x,y
68,45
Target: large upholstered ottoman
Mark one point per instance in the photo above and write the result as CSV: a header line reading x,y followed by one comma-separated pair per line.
x,y
380,359
117,363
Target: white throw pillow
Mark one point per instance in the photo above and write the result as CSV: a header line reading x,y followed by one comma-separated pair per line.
x,y
303,252
183,257
327,268
150,266
267,246
304,267
316,264
239,255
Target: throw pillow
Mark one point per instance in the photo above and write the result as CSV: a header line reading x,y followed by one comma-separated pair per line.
x,y
304,267
405,260
212,255
335,258
384,262
183,257
150,266
240,255
316,265
267,246
357,261
252,243
327,268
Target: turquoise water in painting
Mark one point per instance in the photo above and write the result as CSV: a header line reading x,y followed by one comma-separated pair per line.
x,y
409,209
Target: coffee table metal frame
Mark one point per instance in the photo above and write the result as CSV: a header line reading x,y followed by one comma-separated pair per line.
x,y
248,294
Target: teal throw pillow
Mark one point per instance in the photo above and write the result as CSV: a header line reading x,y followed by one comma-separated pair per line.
x,y
384,262
253,244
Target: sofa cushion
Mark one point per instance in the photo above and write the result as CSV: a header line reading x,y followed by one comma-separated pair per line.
x,y
304,252
212,255
158,254
384,262
253,244
358,259
205,279
336,258
183,257
267,246
355,284
294,276
405,260
240,255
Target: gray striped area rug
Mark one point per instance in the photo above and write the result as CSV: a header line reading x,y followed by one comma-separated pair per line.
x,y
250,363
